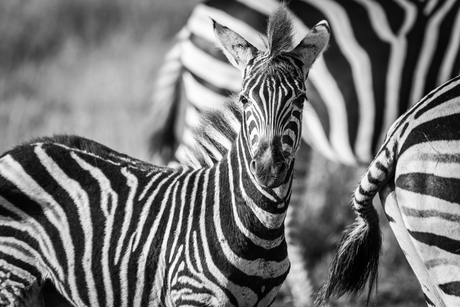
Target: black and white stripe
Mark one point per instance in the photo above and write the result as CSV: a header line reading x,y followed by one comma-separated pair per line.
x,y
108,230
383,57
417,175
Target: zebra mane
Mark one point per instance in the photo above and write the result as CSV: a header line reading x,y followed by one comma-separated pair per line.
x,y
214,134
280,31
75,142
217,128
91,147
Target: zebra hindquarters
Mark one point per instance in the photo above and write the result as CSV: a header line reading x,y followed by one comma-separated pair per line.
x,y
427,195
426,201
396,221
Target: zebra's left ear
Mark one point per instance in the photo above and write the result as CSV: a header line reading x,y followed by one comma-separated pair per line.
x,y
238,51
313,44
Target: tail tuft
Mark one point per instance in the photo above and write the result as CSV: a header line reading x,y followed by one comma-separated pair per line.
x,y
356,260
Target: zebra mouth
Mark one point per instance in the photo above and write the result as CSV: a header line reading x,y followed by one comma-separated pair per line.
x,y
269,175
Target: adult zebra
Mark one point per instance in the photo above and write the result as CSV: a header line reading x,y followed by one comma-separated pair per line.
x,y
384,56
417,175
109,230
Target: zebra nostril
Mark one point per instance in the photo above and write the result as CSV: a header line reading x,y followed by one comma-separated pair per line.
x,y
280,167
253,167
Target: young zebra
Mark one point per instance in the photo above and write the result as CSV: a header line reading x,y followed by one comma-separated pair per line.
x,y
417,175
109,230
384,57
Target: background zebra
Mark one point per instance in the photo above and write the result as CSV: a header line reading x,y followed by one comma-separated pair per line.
x,y
383,57
110,230
417,175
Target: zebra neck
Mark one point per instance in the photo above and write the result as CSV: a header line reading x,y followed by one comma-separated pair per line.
x,y
259,206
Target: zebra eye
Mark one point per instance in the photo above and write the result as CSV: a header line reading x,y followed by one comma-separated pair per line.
x,y
299,100
244,100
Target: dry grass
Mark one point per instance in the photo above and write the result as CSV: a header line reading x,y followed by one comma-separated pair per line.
x,y
87,68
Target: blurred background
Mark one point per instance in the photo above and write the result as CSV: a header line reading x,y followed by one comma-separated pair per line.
x,y
84,67
87,67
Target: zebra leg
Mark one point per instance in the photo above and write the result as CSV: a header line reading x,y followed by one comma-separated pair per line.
x,y
398,226
18,287
298,279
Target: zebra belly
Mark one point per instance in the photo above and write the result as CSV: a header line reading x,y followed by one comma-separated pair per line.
x,y
191,286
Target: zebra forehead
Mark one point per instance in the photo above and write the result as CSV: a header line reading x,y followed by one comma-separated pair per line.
x,y
274,85
283,63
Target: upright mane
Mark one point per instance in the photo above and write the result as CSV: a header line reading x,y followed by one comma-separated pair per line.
x,y
279,32
213,135
218,127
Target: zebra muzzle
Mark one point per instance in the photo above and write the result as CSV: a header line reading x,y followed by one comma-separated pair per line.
x,y
269,173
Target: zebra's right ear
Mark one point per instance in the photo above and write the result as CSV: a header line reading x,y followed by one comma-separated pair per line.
x,y
238,51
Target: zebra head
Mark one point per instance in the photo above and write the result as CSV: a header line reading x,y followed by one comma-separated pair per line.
x,y
273,92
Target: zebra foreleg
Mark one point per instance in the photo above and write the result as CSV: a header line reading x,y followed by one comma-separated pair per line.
x,y
298,279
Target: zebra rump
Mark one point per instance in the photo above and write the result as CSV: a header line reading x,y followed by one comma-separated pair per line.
x,y
416,173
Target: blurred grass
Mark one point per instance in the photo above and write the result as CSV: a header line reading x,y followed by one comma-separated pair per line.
x,y
84,67
33,30
87,67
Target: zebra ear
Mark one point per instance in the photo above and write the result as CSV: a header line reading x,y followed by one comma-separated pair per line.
x,y
238,51
313,44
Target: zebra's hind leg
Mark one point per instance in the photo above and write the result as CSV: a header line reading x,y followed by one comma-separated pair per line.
x,y
18,287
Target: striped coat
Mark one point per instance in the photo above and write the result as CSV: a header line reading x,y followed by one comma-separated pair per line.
x,y
383,57
417,175
105,229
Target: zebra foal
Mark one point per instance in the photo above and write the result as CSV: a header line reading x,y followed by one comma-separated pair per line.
x,y
417,174
109,230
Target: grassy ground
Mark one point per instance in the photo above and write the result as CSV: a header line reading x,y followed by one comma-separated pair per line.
x,y
86,67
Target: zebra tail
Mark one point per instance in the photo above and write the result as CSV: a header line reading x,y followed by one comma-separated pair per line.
x,y
357,257
165,109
